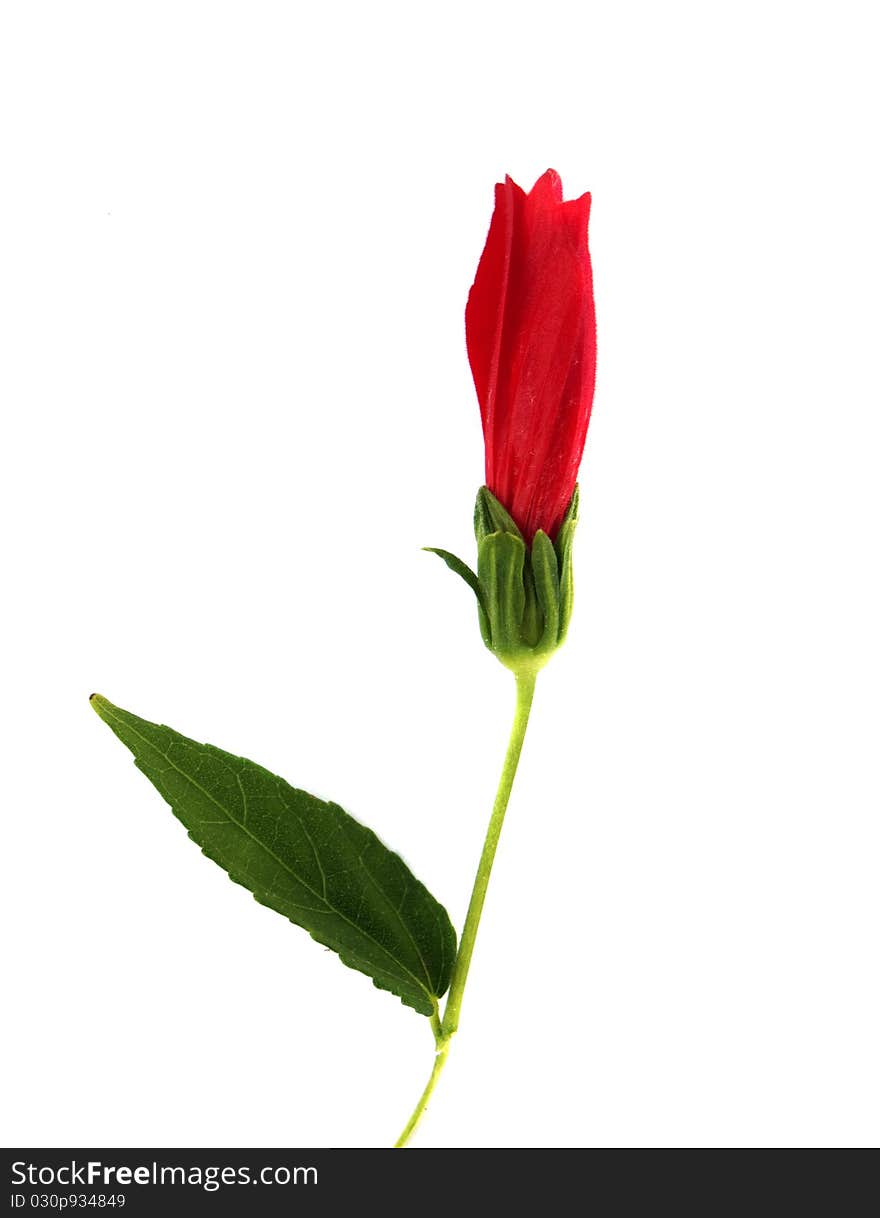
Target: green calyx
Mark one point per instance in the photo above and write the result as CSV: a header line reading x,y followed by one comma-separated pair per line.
x,y
524,594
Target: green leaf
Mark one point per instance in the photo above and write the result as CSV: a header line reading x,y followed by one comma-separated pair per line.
x,y
303,857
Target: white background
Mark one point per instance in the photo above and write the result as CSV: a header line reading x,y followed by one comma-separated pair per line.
x,y
236,245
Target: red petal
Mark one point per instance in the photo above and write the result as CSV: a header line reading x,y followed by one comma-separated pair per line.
x,y
547,191
531,342
484,314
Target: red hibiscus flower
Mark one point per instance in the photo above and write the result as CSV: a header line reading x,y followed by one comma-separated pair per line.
x,y
531,338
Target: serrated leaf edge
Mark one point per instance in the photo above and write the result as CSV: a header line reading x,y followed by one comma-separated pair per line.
x,y
429,1008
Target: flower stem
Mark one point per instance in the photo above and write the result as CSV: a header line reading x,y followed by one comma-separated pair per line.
x,y
525,689
445,1029
439,1063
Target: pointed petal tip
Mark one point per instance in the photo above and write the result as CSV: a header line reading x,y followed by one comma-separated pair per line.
x,y
548,187
510,188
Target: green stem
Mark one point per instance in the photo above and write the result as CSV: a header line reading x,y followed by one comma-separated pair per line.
x,y
409,1127
443,1031
525,689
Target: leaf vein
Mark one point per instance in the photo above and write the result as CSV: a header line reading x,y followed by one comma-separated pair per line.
x,y
281,862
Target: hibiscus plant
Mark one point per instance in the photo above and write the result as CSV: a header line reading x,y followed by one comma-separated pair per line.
x,y
531,341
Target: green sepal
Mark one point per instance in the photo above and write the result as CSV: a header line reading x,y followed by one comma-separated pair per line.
x,y
524,593
563,547
500,562
454,563
545,571
491,516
